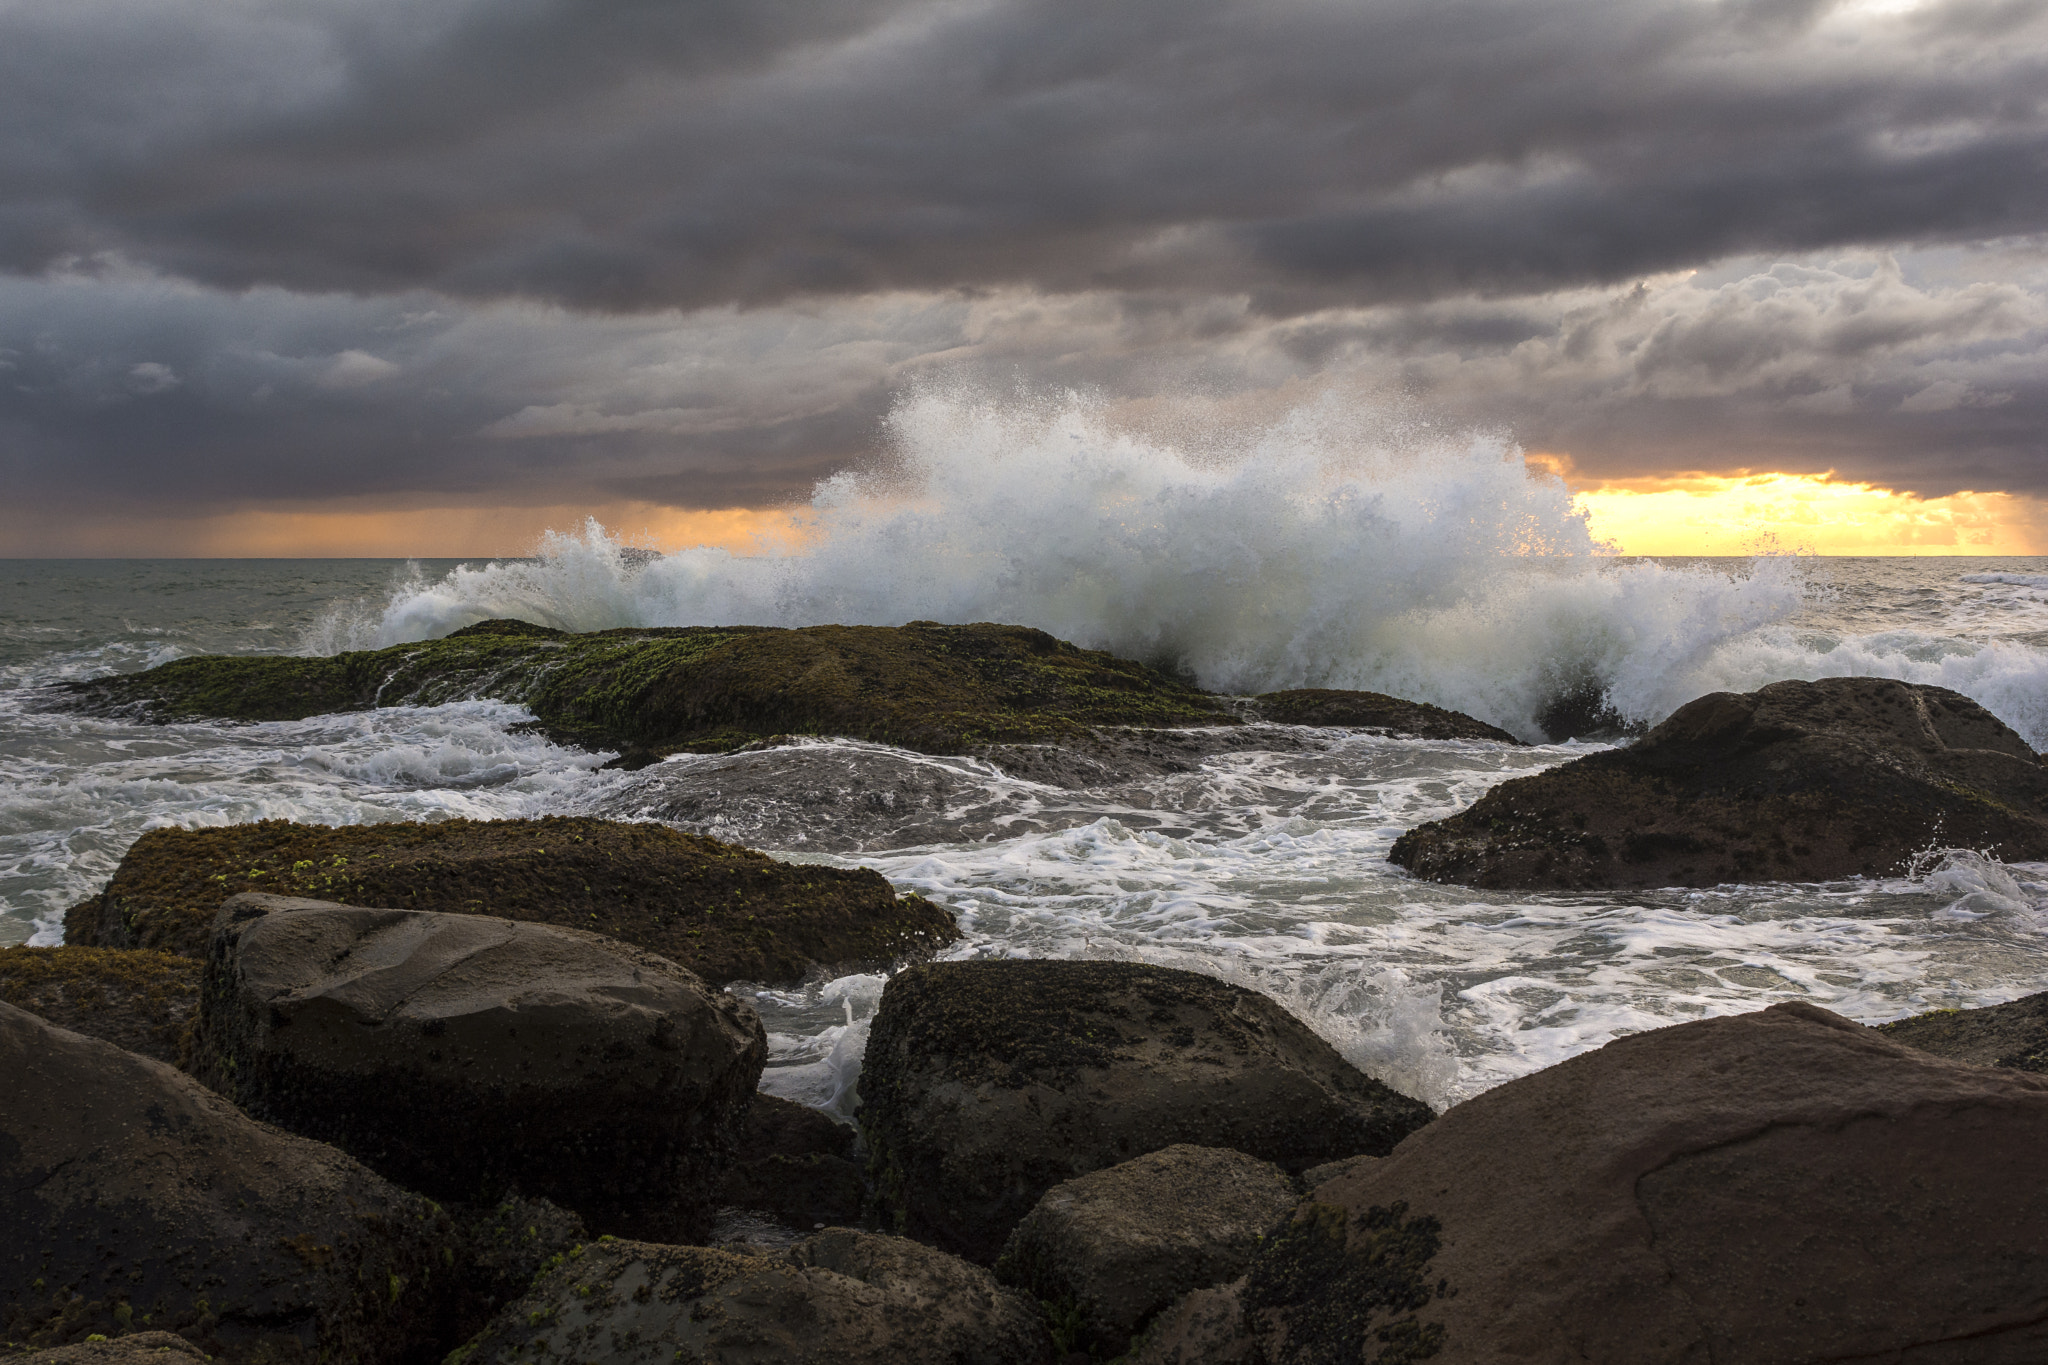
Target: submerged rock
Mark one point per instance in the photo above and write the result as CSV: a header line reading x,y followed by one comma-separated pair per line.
x,y
469,1057
648,691
136,999
1374,711
1111,1248
726,913
795,1163
844,1297
2014,1034
137,1199
987,1083
1798,781
1783,1186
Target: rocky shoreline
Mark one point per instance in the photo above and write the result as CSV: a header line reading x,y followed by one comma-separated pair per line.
x,y
470,1091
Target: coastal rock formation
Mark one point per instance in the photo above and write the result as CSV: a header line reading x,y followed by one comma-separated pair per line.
x,y
136,999
1775,1187
1111,1248
726,913
1374,711
647,691
795,1163
499,1248
987,1083
845,1297
466,1057
2014,1034
137,1199
143,1348
1798,781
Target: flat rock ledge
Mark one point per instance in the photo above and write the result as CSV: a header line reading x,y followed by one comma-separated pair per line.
x,y
726,913
987,1083
1798,781
470,1057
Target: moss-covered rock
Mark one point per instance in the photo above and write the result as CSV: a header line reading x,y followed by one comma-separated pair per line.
x,y
645,691
726,913
1797,781
138,999
1374,711
796,1164
2014,1034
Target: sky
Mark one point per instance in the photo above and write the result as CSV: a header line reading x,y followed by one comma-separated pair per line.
x,y
427,276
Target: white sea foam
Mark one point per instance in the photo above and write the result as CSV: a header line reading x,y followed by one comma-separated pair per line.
x,y
1322,551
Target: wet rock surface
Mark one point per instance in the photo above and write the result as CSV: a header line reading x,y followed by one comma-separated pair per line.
x,y
468,1057
1112,1248
726,913
1373,711
795,1164
136,999
1798,781
840,1298
1773,1187
2014,1034
139,1200
987,1083
143,1348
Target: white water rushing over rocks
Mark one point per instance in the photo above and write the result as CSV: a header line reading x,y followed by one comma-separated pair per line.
x,y
1318,553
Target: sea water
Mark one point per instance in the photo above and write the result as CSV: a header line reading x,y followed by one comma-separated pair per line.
x,y
1435,568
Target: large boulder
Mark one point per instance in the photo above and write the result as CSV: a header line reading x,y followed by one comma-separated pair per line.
x,y
1798,781
466,1056
839,1298
725,912
1374,711
1109,1249
1775,1187
2014,1034
138,1200
138,999
796,1164
987,1083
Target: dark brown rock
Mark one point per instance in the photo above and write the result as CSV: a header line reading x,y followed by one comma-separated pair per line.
x,y
1798,781
725,912
840,1298
987,1083
2014,1034
133,998
1374,711
500,1248
143,1348
1111,1248
137,1199
795,1163
1776,1187
468,1057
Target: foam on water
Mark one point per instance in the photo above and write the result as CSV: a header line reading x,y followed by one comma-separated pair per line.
x,y
1323,550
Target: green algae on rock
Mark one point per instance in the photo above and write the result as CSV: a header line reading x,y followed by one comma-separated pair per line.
x,y
2014,1034
137,999
726,913
1374,711
1797,781
648,691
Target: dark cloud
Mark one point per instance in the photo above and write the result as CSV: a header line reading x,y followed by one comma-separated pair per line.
x,y
633,154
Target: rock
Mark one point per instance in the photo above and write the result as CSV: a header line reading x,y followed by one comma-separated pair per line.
x,y
143,1348
500,1248
135,999
1315,1176
987,1083
1111,1248
1774,1187
647,691
724,912
467,1057
1798,781
2014,1034
137,1199
843,1297
795,1163
1374,711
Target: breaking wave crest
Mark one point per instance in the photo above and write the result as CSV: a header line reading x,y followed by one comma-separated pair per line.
x,y
1331,548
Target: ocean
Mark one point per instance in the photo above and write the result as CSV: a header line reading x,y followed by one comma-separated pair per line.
x,y
1261,861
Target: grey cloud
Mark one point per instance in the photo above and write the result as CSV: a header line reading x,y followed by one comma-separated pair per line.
x,y
630,154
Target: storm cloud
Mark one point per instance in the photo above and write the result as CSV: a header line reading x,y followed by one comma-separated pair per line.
x,y
686,252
